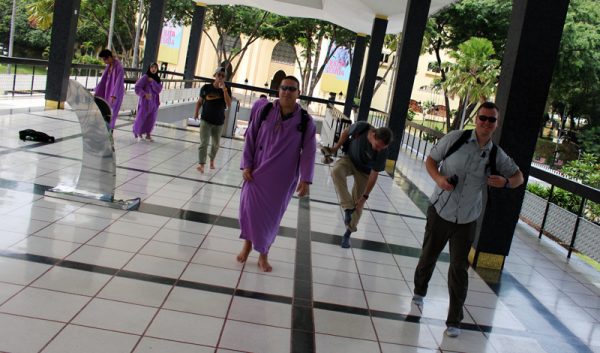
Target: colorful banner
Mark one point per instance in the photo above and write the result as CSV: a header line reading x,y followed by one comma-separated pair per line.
x,y
337,72
170,43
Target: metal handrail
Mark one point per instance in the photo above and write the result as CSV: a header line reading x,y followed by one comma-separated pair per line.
x,y
196,79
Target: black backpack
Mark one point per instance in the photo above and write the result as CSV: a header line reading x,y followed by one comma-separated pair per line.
x,y
354,136
37,136
301,127
463,139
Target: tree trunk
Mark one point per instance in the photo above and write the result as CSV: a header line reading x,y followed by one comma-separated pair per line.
x,y
315,65
438,58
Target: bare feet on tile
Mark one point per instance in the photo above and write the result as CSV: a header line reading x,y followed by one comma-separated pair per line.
x,y
263,263
200,168
243,255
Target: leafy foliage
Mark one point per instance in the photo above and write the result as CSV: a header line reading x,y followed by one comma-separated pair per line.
x,y
29,42
472,75
590,140
576,80
309,34
459,22
234,21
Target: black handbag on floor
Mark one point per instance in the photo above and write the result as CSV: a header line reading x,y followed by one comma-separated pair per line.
x,y
38,136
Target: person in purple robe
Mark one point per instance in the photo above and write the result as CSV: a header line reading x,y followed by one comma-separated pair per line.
x,y
258,104
112,84
278,158
148,88
256,107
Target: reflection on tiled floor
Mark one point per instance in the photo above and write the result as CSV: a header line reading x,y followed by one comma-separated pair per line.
x,y
84,278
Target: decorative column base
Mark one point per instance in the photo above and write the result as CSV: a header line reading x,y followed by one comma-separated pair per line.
x,y
486,260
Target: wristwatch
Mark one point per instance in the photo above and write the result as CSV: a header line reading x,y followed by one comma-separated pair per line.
x,y
366,196
507,184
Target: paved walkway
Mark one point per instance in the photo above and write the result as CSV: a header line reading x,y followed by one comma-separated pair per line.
x,y
164,278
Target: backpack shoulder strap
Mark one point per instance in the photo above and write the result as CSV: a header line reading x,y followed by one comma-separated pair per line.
x,y
303,125
492,160
264,112
262,115
464,137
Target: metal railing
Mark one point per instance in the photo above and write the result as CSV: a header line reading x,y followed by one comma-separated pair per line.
x,y
564,221
419,139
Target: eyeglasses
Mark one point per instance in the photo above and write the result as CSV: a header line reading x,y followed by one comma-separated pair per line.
x,y
288,88
220,75
491,119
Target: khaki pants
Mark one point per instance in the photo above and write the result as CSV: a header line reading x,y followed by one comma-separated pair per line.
x,y
208,130
340,171
438,232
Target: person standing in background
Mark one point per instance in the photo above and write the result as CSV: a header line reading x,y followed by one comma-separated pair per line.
x,y
111,87
214,98
148,88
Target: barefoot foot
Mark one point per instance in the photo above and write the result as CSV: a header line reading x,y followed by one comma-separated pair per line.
x,y
212,164
243,255
200,168
263,264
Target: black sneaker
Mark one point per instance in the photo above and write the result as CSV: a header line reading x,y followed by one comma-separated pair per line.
x,y
346,240
348,216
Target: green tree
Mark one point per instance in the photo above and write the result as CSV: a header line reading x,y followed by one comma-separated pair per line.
x,y
94,21
575,89
472,76
28,41
310,34
234,21
461,21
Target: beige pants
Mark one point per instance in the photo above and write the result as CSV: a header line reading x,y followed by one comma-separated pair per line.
x,y
340,171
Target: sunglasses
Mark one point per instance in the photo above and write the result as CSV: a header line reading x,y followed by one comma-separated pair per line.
x,y
491,119
288,88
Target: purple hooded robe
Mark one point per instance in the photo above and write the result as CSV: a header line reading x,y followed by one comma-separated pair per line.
x,y
272,151
112,84
147,109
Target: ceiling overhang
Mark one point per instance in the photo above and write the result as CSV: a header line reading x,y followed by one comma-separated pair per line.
x,y
355,15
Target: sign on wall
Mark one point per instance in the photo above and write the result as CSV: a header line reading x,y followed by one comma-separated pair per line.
x,y
170,43
337,72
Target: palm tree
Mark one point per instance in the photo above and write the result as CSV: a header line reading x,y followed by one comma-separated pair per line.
x,y
472,76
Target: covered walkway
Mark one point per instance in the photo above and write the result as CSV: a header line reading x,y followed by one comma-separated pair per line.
x,y
81,278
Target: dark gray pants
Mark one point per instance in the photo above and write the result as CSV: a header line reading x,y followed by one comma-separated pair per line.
x,y
438,232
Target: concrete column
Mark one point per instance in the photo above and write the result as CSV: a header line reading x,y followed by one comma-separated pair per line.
x,y
415,20
155,26
529,59
191,57
64,26
358,56
377,37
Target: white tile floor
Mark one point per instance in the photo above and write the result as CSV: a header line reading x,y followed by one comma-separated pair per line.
x,y
84,278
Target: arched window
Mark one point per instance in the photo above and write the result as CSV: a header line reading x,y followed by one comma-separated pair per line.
x,y
284,53
230,44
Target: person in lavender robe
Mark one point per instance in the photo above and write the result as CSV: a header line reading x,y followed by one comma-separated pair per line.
x,y
112,84
256,107
147,88
258,104
278,158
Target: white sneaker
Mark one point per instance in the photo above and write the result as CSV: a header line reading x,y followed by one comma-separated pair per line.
x,y
418,300
452,331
